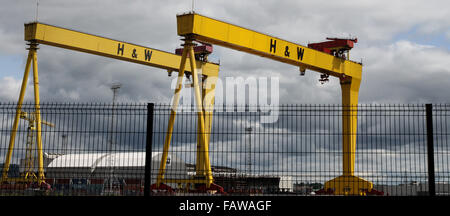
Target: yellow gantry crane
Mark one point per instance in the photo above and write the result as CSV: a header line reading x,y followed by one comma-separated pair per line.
x,y
29,174
39,33
196,27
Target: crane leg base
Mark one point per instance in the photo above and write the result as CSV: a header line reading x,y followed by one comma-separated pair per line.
x,y
161,189
348,185
212,189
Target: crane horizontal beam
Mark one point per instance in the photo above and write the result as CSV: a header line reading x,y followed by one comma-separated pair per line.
x,y
97,45
214,31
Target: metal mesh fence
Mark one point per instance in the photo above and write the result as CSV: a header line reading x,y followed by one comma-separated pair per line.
x,y
88,149
441,133
101,149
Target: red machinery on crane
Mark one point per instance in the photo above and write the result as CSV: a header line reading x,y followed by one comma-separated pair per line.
x,y
201,51
337,47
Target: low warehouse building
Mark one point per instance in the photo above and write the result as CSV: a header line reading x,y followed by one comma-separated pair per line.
x,y
91,172
123,173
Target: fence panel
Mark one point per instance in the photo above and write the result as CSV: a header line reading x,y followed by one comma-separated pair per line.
x,y
88,149
100,149
441,119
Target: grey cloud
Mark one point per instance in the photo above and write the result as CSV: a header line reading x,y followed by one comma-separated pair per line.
x,y
86,78
393,72
405,72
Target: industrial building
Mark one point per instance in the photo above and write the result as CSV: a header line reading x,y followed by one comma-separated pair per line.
x,y
414,189
122,173
234,181
93,173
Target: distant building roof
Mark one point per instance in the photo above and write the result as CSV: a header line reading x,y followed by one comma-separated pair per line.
x,y
93,160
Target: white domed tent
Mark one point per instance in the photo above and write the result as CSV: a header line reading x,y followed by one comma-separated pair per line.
x,y
123,165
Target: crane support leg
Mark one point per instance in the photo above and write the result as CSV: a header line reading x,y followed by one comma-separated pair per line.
x,y
348,184
206,164
17,117
32,59
175,101
208,94
203,147
41,177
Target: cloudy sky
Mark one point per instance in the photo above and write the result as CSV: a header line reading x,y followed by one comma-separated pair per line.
x,y
404,47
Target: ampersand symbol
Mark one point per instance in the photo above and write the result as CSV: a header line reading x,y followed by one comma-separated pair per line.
x,y
286,51
134,54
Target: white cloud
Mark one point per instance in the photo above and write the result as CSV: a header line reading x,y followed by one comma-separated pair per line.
x,y
10,89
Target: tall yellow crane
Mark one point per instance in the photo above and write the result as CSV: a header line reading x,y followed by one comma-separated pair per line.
x,y
29,174
39,33
196,27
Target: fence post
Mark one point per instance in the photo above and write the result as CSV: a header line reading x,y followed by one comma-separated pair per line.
x,y
148,148
430,150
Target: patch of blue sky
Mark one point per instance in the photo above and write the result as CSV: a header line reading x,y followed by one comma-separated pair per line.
x,y
436,39
12,66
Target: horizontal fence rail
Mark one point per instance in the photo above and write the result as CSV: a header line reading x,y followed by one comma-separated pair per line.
x,y
287,150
